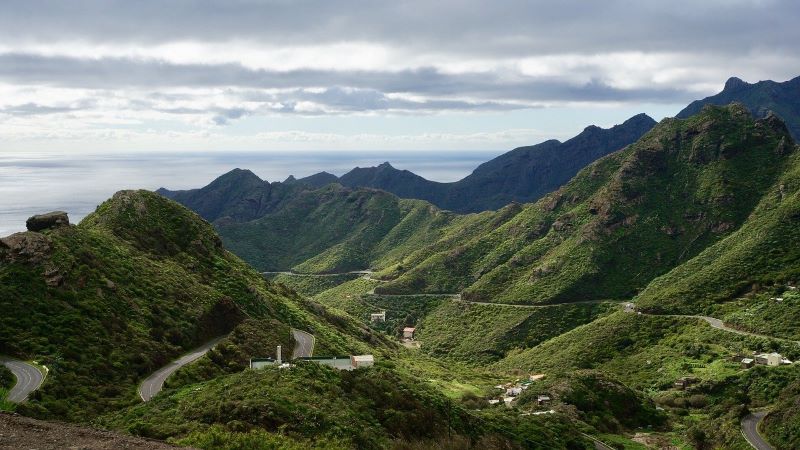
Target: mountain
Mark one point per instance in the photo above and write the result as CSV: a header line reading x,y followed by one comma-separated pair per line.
x,y
756,256
239,195
782,98
135,284
524,174
623,220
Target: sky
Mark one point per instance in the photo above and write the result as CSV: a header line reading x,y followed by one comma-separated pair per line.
x,y
86,77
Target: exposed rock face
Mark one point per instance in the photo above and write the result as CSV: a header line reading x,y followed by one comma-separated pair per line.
x,y
25,247
45,221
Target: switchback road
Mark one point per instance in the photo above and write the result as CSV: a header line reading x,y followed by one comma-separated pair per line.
x,y
153,384
29,378
750,431
303,344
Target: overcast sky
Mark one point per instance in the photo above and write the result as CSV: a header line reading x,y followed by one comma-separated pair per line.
x,y
102,76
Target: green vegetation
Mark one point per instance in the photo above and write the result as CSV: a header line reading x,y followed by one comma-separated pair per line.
x,y
250,339
137,283
480,334
335,229
622,221
649,353
371,408
762,313
600,401
7,381
782,425
759,256
311,285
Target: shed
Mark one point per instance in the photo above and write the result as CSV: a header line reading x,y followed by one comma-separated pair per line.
x,y
358,361
747,363
260,363
408,332
543,400
378,317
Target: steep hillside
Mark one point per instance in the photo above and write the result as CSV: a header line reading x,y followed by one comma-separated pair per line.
x,y
138,282
622,221
781,98
524,174
336,229
782,425
759,256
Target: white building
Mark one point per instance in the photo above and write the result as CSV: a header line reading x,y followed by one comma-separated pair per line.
x,y
358,361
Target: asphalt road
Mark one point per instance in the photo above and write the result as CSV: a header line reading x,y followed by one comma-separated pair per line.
x,y
750,431
153,384
718,324
29,378
303,344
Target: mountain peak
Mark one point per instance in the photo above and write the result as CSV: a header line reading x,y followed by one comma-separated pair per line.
x,y
385,165
735,83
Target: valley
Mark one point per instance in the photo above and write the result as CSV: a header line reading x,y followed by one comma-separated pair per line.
x,y
650,301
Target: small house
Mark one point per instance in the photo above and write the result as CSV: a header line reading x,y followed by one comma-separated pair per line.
x,y
747,363
359,361
408,333
543,400
770,359
378,317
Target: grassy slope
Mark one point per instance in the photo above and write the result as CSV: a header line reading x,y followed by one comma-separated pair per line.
x,y
135,284
620,222
335,229
479,334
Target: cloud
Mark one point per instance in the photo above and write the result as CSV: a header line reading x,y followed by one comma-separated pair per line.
x,y
194,65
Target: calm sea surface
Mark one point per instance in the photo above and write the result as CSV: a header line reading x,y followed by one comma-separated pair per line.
x,y
36,183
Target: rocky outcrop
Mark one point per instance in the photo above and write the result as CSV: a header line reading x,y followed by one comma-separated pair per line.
x,y
25,247
46,221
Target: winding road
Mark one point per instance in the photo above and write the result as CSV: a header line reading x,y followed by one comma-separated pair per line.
x,y
153,384
750,431
303,344
29,378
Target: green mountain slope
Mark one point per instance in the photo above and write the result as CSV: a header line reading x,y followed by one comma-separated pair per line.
x,y
622,221
760,254
336,229
782,98
137,283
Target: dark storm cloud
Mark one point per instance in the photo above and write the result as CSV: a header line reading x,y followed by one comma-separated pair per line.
x,y
476,27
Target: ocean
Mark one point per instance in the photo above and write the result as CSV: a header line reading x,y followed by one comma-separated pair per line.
x,y
35,183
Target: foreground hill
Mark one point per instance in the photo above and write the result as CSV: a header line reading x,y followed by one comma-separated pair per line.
x,y
782,99
524,174
622,221
138,282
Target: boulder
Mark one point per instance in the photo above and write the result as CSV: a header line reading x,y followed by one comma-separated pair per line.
x,y
45,221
